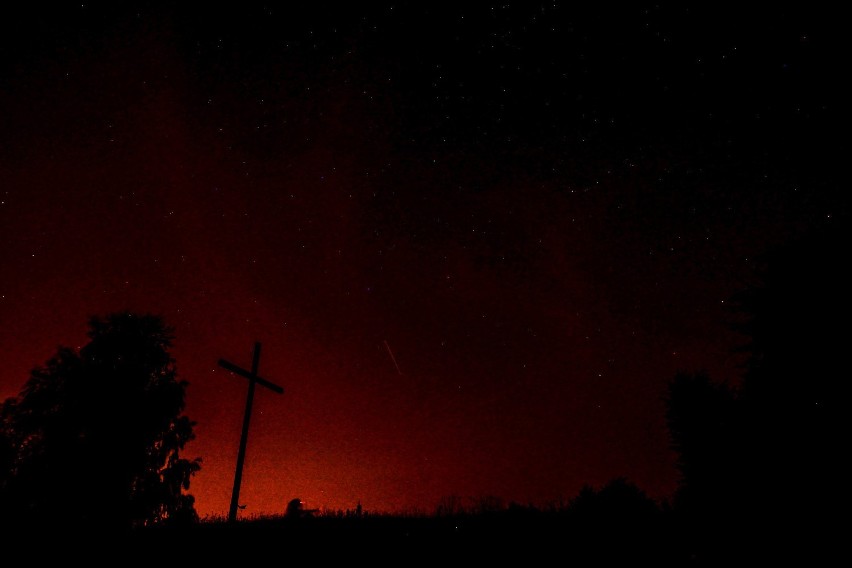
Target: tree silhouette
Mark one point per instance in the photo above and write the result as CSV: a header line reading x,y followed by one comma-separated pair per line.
x,y
702,418
771,455
794,392
95,436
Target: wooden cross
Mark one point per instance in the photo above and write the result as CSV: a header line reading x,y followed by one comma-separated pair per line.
x,y
241,456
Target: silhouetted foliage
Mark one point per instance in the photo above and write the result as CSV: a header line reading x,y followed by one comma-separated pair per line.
x,y
702,418
95,436
770,455
618,524
794,392
618,501
632,530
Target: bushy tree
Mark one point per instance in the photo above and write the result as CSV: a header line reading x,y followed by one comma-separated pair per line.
x,y
95,435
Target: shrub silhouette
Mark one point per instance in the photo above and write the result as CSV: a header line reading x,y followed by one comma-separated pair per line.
x,y
95,436
618,501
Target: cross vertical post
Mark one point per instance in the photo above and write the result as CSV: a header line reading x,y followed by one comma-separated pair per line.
x,y
253,378
241,456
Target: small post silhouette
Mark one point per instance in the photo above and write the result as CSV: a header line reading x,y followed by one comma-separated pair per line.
x,y
241,456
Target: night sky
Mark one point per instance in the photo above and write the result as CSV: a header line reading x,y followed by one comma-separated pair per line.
x,y
474,239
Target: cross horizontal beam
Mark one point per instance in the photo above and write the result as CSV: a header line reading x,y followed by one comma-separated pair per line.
x,y
247,374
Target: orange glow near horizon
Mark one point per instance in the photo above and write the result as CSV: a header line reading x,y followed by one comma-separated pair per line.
x,y
475,247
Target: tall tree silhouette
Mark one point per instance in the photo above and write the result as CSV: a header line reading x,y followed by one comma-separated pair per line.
x,y
95,436
770,455
794,393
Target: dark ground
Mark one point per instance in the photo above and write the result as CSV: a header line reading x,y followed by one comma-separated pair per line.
x,y
487,539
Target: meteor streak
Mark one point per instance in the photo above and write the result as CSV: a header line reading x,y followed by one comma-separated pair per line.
x,y
392,357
